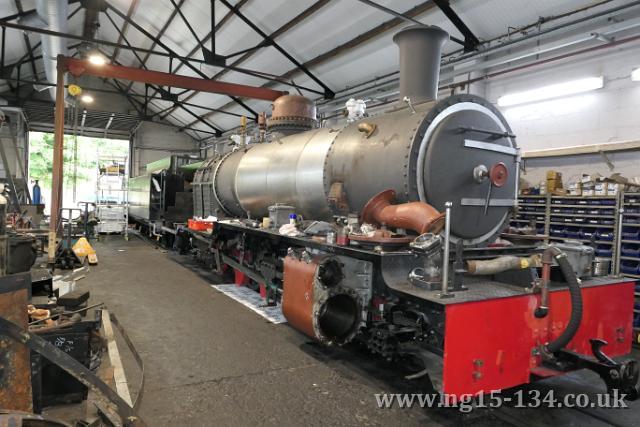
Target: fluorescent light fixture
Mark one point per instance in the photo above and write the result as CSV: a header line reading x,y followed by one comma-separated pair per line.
x,y
635,75
87,99
558,90
97,59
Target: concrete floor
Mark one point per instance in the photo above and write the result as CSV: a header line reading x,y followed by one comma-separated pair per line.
x,y
211,361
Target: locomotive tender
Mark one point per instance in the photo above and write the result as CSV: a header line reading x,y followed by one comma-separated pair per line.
x,y
414,195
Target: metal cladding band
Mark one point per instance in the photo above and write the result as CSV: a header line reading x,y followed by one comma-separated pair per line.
x,y
423,156
289,171
224,182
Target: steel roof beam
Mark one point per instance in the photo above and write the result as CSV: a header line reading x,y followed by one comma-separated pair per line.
x,y
404,17
328,93
283,29
358,41
27,42
160,34
125,27
471,42
171,53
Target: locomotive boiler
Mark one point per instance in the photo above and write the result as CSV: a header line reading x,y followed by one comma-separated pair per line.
x,y
415,195
426,150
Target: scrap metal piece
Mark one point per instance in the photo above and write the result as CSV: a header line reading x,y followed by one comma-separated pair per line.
x,y
72,367
15,364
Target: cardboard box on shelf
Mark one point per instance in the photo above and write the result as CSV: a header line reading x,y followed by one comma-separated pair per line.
x,y
551,174
575,189
543,188
613,188
600,188
586,178
588,188
560,192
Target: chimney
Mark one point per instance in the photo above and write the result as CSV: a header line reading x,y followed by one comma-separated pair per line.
x,y
420,50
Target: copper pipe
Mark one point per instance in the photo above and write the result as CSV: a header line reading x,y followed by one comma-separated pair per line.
x,y
547,261
417,216
367,128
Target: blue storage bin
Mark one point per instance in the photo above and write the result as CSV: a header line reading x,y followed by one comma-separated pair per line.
x,y
604,235
595,202
630,250
604,251
586,233
630,233
607,221
607,212
629,267
573,233
609,202
631,220
557,231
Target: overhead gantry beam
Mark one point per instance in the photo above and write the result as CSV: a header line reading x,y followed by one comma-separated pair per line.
x,y
79,67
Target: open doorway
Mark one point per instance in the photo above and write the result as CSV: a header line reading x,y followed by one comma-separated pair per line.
x,y
81,163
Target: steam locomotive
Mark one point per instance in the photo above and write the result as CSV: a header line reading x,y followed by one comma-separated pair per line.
x,y
378,232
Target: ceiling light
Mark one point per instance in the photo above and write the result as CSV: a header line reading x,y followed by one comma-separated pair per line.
x,y
97,59
87,99
553,91
635,75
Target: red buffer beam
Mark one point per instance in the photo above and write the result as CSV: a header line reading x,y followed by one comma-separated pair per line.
x,y
78,67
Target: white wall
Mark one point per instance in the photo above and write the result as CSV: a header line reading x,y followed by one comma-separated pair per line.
x,y
154,141
608,114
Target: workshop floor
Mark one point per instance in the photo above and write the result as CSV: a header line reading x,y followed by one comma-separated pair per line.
x,y
211,361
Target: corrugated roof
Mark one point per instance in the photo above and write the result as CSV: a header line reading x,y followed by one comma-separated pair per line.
x,y
332,24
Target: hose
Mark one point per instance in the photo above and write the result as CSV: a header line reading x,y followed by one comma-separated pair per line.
x,y
576,303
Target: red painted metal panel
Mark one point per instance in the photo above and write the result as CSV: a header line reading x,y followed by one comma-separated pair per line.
x,y
240,279
78,67
489,344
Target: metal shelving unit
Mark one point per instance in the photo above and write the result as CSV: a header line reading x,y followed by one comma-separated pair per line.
x,y
589,219
629,246
112,195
